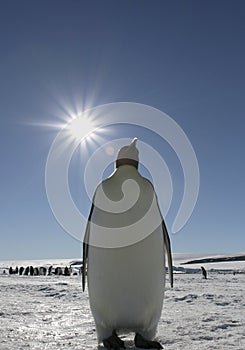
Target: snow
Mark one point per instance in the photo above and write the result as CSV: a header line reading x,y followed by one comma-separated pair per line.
x,y
51,312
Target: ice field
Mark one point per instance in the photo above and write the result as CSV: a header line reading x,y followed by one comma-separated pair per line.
x,y
51,312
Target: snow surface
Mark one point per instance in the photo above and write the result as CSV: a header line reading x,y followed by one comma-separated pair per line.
x,y
51,312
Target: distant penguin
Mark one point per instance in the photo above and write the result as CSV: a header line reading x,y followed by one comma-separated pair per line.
x,y
42,271
50,270
58,271
67,271
31,270
126,282
21,270
26,271
36,271
204,272
10,270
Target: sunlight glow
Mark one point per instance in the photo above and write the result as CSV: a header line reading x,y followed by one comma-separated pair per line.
x,y
79,122
72,113
80,126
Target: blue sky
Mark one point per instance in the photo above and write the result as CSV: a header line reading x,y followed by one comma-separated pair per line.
x,y
185,58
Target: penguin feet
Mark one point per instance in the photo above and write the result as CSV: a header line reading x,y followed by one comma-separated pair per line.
x,y
114,342
141,342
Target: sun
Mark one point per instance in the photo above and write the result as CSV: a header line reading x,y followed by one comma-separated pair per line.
x,y
81,127
84,132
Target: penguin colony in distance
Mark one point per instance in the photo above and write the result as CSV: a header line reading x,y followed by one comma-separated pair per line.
x,y
41,271
126,282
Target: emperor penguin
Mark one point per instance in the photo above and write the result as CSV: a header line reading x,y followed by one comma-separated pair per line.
x,y
124,249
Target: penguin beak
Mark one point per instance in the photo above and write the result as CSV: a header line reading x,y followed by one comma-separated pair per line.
x,y
133,143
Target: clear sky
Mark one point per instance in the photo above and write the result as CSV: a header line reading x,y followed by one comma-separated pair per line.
x,y
186,58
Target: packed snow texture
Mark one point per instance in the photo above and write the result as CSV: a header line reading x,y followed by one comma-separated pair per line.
x,y
51,312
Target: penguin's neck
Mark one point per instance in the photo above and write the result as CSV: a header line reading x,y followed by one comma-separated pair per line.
x,y
125,169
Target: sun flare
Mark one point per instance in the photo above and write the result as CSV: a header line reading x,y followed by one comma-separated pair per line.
x,y
81,127
83,131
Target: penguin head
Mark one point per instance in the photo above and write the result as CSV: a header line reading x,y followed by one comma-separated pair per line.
x,y
128,155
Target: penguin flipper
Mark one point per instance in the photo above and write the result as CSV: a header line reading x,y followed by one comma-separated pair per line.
x,y
169,253
85,257
167,248
86,248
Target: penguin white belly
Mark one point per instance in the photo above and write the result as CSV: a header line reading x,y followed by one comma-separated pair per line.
x,y
126,286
